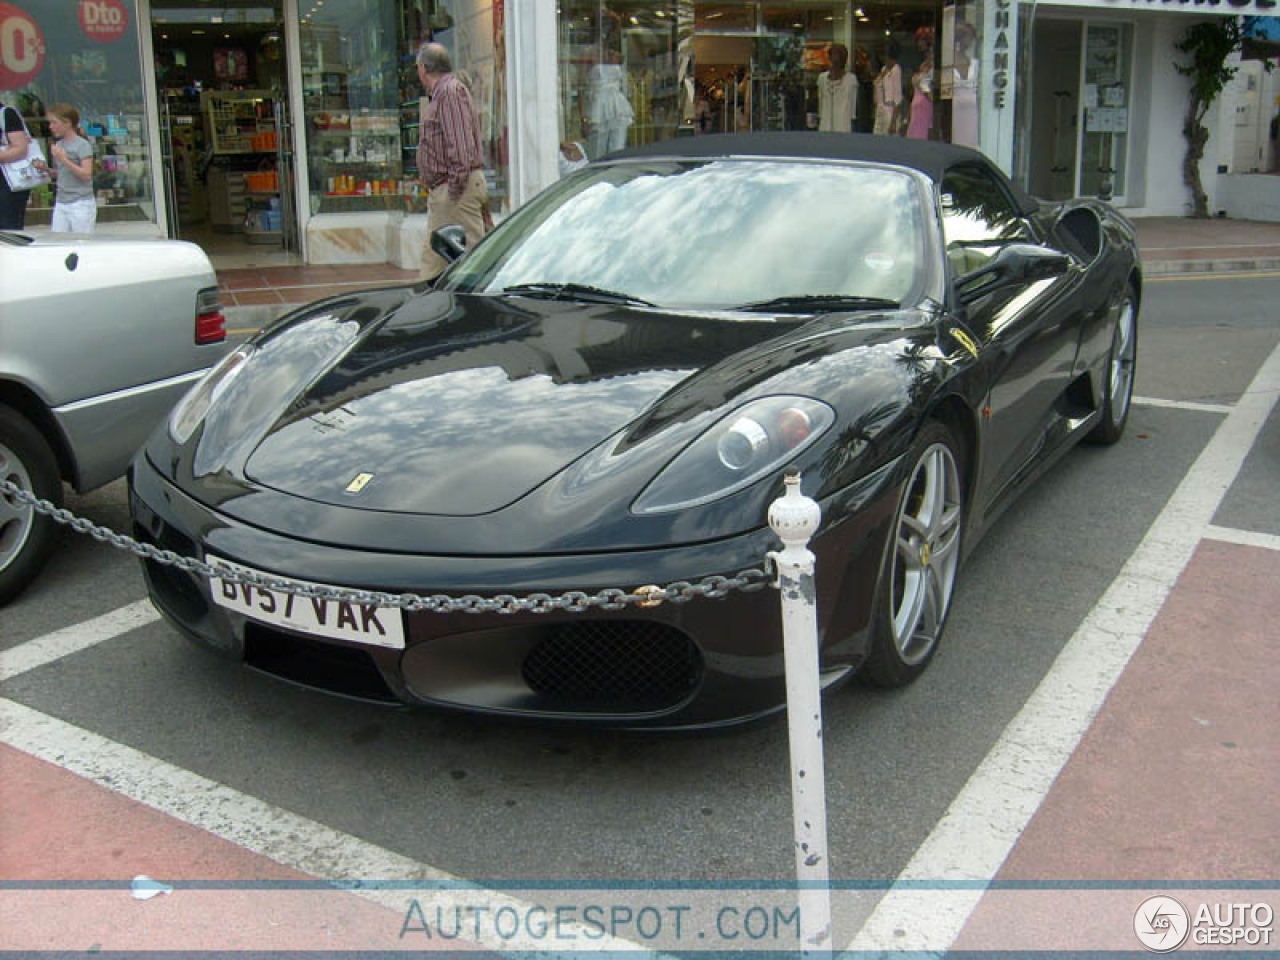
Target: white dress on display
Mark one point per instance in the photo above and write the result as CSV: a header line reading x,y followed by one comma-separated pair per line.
x,y
837,102
888,90
609,111
964,104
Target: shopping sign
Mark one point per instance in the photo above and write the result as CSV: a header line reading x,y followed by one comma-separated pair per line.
x,y
21,47
103,20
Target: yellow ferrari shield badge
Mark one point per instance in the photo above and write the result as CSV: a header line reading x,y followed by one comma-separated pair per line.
x,y
359,483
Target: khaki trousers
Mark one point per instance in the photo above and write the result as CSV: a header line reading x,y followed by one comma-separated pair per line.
x,y
442,210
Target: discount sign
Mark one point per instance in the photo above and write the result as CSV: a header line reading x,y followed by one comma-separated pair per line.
x,y
21,47
103,20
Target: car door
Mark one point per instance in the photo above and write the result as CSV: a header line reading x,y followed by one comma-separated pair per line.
x,y
1028,332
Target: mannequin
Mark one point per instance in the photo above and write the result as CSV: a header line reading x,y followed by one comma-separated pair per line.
x,y
609,112
837,93
888,90
922,88
964,88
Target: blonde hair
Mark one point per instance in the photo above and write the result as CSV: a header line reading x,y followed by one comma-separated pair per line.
x,y
68,114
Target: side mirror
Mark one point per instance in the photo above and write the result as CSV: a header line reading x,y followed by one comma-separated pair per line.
x,y
1014,265
450,242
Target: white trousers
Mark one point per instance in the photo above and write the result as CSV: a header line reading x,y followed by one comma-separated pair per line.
x,y
78,216
607,137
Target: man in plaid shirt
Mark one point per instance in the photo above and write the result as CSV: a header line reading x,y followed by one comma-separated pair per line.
x,y
450,158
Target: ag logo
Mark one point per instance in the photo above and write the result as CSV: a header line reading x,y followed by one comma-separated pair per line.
x,y
1161,924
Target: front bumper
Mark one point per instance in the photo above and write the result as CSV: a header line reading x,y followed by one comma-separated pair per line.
x,y
701,663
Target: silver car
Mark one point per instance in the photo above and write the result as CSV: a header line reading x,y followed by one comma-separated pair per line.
x,y
99,338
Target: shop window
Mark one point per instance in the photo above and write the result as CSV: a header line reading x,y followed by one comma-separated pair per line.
x,y
95,67
351,103
363,98
638,71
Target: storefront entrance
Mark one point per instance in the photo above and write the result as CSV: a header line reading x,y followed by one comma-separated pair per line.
x,y
1080,109
222,83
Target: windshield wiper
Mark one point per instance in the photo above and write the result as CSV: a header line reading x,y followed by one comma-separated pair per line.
x,y
819,302
574,291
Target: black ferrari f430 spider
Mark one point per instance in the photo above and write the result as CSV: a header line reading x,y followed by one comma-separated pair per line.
x,y
605,394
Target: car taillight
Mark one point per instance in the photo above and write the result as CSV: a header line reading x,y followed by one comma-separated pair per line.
x,y
211,325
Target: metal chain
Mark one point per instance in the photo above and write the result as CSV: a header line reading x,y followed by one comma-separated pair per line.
x,y
573,601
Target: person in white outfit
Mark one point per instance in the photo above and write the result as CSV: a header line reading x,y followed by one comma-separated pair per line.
x,y
609,114
964,88
837,93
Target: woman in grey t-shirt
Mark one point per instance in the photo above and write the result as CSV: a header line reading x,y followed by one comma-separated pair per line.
x,y
74,210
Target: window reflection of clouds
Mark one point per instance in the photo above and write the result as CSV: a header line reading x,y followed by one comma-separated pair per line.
x,y
730,232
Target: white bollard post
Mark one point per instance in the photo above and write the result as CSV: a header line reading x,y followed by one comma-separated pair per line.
x,y
794,518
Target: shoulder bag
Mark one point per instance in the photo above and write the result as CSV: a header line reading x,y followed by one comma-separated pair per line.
x,y
22,174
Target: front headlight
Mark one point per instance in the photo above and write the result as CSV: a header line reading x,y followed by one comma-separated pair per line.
x,y
191,409
751,442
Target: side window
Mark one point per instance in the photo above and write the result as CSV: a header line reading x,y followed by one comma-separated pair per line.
x,y
977,218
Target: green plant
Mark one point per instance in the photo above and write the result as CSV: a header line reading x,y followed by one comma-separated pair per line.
x,y
1209,44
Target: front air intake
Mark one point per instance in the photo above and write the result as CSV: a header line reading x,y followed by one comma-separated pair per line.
x,y
618,664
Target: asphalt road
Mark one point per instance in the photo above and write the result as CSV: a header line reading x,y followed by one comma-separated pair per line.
x,y
494,801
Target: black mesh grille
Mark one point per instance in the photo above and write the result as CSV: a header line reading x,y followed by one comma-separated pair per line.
x,y
172,587
624,664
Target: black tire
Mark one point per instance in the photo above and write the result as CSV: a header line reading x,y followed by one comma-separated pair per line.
x,y
921,562
1122,363
26,537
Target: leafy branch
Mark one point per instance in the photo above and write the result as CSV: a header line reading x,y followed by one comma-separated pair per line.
x,y
1209,45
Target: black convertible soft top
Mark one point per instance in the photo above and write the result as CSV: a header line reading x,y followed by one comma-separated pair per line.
x,y
929,157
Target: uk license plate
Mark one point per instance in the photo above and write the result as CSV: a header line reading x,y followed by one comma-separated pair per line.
x,y
315,616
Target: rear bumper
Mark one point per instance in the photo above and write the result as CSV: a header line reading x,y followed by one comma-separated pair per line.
x,y
106,431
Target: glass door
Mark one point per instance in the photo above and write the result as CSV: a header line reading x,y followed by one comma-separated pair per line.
x,y
1105,98
222,81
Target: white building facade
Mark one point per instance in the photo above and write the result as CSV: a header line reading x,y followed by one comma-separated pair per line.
x,y
293,123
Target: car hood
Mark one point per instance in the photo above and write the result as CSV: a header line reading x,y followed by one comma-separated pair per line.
x,y
510,423
461,405
459,409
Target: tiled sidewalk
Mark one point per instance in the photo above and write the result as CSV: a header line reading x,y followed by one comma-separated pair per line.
x,y
285,286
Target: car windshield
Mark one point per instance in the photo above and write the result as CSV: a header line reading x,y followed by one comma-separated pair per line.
x,y
798,236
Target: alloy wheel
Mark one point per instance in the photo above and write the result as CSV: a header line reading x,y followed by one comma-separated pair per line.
x,y
16,519
1123,353
926,553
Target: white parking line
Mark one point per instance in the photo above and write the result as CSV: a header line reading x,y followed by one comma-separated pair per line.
x,y
73,639
969,843
931,901
287,838
1245,538
1184,405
